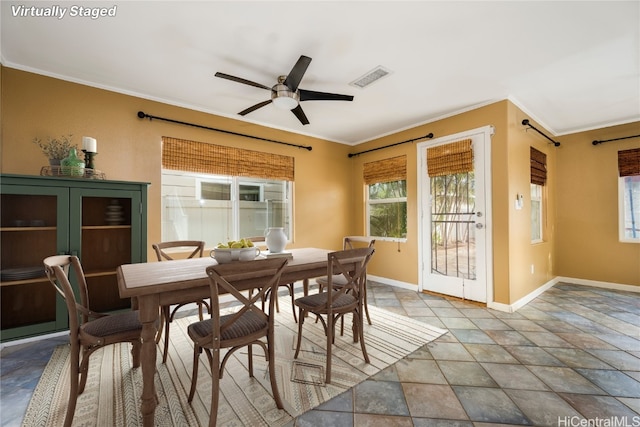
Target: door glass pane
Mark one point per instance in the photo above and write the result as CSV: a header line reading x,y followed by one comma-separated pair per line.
x,y
453,225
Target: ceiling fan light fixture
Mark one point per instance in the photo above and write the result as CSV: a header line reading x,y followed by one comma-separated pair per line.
x,y
283,98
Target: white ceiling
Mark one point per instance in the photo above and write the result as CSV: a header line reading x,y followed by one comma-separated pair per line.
x,y
570,65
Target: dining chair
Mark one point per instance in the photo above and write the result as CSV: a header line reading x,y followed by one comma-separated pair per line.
x,y
194,248
350,242
289,286
88,330
244,327
335,302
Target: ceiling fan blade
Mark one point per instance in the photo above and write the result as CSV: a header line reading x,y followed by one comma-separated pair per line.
x,y
311,95
254,107
295,75
300,115
240,80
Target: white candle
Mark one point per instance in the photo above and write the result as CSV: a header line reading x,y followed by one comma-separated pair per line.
x,y
89,144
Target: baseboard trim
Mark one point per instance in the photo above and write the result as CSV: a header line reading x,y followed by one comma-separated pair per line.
x,y
599,284
512,308
391,282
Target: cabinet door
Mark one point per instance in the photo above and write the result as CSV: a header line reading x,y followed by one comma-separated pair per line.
x,y
33,225
105,227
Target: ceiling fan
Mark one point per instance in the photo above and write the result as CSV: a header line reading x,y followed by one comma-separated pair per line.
x,y
286,95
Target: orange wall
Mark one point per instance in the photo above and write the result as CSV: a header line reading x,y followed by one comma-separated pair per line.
x,y
580,227
401,259
523,254
129,148
587,243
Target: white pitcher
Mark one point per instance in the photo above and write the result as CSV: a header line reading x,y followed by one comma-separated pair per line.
x,y
276,239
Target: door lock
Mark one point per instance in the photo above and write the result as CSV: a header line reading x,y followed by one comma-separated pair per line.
x,y
479,225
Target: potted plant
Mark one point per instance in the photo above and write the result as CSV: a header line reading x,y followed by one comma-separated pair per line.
x,y
56,149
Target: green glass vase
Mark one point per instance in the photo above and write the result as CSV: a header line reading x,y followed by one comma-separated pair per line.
x,y
72,165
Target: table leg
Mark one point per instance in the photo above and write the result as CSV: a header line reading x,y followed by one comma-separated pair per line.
x,y
149,307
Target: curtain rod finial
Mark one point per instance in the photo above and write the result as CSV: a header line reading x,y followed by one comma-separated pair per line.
x,y
141,114
525,122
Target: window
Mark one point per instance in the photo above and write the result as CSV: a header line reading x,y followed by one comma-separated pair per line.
x,y
217,193
538,161
536,213
386,197
217,208
387,209
629,195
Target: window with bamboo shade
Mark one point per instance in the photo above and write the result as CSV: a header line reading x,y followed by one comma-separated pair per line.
x,y
449,159
629,195
200,157
216,193
538,167
386,182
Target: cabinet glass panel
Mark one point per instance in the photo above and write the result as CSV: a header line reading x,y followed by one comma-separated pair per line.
x,y
28,235
106,244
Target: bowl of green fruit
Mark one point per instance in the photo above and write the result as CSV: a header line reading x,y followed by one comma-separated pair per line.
x,y
235,250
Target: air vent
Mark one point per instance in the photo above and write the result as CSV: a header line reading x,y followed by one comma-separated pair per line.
x,y
372,76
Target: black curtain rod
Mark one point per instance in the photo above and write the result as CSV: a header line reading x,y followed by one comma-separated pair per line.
x,y
615,139
143,115
526,123
429,136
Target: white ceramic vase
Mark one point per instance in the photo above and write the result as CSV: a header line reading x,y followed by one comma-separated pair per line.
x,y
276,239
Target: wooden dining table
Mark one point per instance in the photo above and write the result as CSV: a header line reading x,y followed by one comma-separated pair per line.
x,y
154,284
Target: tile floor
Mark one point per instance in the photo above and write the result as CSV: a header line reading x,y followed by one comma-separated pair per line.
x,y
569,358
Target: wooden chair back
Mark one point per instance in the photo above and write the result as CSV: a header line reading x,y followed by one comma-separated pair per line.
x,y
233,278
352,242
353,280
195,246
58,268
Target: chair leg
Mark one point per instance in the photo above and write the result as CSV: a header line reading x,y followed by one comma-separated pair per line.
x,y
291,291
366,304
197,350
301,314
161,329
135,352
215,388
330,326
250,355
272,369
360,327
84,369
166,337
73,389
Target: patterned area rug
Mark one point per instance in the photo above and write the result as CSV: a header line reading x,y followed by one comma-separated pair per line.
x,y
112,394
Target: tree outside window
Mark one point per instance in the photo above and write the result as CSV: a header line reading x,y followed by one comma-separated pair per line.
x,y
387,209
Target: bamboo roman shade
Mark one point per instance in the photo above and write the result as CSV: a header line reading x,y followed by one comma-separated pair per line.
x,y
449,159
629,162
200,157
538,167
387,170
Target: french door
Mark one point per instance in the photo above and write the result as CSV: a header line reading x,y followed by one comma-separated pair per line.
x,y
454,200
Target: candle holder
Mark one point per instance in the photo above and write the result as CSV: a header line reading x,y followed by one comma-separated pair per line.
x,y
88,158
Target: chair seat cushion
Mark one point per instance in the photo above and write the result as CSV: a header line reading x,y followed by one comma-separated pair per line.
x,y
247,324
315,301
113,324
338,280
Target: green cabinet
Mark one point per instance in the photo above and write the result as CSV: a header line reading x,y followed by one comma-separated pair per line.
x,y
103,222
